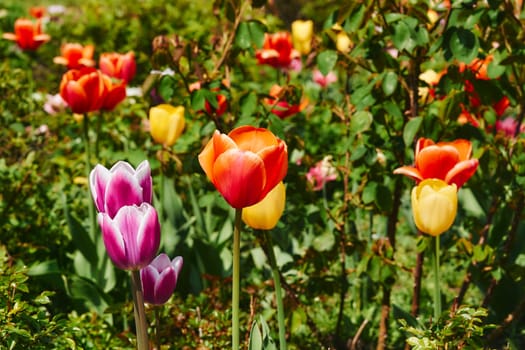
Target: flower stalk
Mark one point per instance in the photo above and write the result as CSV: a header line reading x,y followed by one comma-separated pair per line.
x,y
437,291
141,325
236,278
91,207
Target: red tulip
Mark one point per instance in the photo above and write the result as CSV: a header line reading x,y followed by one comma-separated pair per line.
x,y
278,50
245,165
447,161
83,89
74,56
28,34
120,66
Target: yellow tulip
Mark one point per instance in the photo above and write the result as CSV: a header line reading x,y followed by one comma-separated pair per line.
x,y
343,42
166,123
302,32
434,206
265,214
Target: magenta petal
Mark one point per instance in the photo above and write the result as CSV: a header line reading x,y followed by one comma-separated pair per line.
x,y
148,277
122,189
128,220
148,235
165,285
143,175
177,264
113,241
161,262
98,179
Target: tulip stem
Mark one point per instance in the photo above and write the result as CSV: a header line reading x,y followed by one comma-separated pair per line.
x,y
141,325
278,292
437,292
91,206
236,278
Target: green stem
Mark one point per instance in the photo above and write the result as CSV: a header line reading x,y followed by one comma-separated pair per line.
x,y
278,291
141,325
437,292
236,278
157,327
91,206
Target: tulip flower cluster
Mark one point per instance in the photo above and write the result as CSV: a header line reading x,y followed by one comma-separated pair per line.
x,y
440,170
130,226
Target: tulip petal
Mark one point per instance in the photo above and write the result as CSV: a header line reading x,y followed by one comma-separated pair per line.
x,y
409,171
275,160
143,175
165,285
217,145
75,96
461,172
249,138
240,177
113,240
125,190
435,161
148,277
464,148
98,179
148,235
161,262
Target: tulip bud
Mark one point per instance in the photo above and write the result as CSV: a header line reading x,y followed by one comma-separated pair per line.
x,y
302,32
265,214
166,123
159,278
434,206
132,238
343,42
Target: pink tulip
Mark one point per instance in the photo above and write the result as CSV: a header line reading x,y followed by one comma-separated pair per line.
x,y
132,238
121,185
159,278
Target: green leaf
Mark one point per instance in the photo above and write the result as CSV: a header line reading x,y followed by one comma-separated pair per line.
x,y
48,267
411,129
256,341
326,61
389,83
361,122
464,45
257,30
242,37
369,193
165,87
323,242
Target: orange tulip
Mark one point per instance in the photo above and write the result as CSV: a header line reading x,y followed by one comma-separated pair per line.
x,y
245,165
447,161
83,89
37,11
115,93
277,51
28,34
75,56
120,66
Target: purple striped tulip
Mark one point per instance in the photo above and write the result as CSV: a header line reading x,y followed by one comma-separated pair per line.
x,y
159,279
132,237
121,185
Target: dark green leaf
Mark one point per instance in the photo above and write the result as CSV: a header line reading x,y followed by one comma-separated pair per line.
x,y
326,61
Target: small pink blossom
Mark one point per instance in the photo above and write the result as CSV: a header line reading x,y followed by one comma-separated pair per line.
x,y
508,126
54,104
321,173
324,80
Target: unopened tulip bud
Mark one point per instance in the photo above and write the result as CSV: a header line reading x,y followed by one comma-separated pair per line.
x,y
434,206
